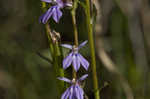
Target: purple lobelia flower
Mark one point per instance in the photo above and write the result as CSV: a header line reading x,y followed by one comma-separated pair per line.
x,y
74,91
54,10
75,57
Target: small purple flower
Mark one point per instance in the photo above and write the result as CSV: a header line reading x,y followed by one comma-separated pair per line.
x,y
75,57
74,91
53,11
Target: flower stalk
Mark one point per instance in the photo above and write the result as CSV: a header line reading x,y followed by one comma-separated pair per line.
x,y
56,54
73,14
92,50
74,58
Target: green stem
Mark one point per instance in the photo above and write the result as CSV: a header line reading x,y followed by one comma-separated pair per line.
x,y
92,49
58,65
56,55
57,59
49,39
73,14
74,28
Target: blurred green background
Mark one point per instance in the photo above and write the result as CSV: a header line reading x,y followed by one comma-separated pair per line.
x,y
24,74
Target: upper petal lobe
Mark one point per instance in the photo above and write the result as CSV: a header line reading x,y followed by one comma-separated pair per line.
x,y
64,79
67,46
82,44
48,1
83,77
